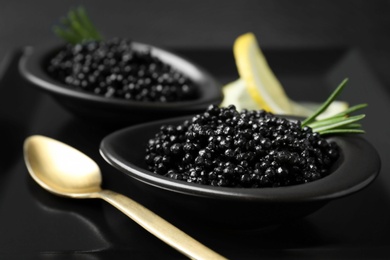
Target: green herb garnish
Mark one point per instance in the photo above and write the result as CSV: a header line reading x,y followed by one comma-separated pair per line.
x,y
77,28
341,123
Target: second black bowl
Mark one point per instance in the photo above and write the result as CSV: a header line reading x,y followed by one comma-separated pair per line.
x,y
114,110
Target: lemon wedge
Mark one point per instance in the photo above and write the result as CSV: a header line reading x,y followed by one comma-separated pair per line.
x,y
258,86
235,93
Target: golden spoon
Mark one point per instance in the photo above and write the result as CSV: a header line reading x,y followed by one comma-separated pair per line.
x,y
65,171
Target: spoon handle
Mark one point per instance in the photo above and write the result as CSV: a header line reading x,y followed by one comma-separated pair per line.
x,y
159,227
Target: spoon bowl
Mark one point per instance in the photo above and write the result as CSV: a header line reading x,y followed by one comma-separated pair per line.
x,y
48,164
65,171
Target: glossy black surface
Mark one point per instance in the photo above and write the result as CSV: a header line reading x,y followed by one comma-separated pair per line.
x,y
35,224
114,110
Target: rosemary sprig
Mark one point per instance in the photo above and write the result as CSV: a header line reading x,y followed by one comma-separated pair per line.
x,y
341,123
332,123
343,131
326,104
77,28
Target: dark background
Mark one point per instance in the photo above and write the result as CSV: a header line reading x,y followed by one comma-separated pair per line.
x,y
214,24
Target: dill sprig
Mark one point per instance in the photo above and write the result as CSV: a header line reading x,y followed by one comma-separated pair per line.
x,y
76,27
341,123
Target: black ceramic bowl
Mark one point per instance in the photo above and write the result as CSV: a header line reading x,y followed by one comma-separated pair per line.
x,y
358,166
114,110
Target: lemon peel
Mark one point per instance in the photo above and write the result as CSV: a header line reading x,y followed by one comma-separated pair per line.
x,y
259,88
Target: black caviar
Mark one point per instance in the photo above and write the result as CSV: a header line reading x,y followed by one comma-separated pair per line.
x,y
114,69
224,147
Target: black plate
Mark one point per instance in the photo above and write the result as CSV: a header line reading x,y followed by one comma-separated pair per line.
x,y
35,224
114,110
357,167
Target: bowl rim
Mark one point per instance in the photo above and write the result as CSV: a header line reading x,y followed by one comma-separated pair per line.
x,y
30,67
351,174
